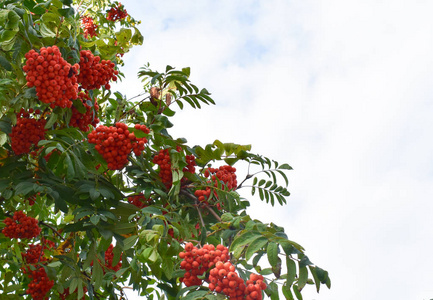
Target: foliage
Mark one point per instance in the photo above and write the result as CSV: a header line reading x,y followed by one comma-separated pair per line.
x,y
102,230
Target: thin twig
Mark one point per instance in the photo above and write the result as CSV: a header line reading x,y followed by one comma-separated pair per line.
x,y
53,229
183,192
213,213
199,214
139,102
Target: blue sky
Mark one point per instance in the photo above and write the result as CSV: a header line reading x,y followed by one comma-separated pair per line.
x,y
342,91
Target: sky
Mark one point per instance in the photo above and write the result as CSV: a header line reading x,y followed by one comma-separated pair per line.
x,y
340,90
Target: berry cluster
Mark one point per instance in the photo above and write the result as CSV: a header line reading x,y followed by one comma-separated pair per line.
x,y
109,259
21,226
40,284
255,286
35,253
224,279
198,261
83,120
27,132
139,200
52,76
190,160
31,200
203,195
115,143
95,72
222,276
226,174
66,293
117,13
163,160
89,27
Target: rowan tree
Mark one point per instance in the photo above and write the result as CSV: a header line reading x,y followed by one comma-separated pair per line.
x,y
97,196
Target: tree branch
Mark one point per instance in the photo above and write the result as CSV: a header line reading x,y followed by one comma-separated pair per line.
x,y
53,229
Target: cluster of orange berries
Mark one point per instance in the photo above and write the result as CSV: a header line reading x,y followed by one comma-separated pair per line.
x,y
27,132
163,160
95,72
31,200
197,261
40,284
190,160
109,259
52,76
255,286
225,174
203,195
83,120
21,226
224,279
35,253
117,13
89,26
139,200
115,143
222,274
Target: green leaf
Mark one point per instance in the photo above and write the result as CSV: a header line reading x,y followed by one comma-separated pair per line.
x,y
287,292
304,261
297,292
286,167
24,188
244,239
69,167
323,276
316,279
272,252
303,277
291,271
67,2
51,121
46,32
255,246
95,219
129,242
195,295
5,63
97,275
94,194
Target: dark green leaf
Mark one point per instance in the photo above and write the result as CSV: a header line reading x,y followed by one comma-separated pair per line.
x,y
303,277
272,252
291,271
255,246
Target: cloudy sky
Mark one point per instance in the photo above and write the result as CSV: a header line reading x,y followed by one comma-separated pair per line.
x,y
342,91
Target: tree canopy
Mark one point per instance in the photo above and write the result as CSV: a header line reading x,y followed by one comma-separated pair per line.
x,y
96,196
